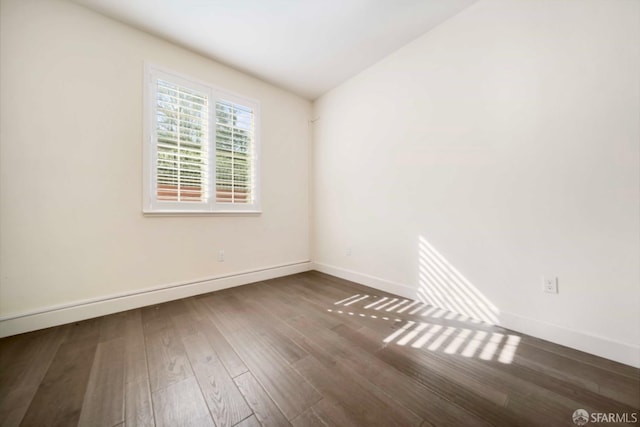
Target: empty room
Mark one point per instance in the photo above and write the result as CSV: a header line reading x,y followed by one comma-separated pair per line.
x,y
319,213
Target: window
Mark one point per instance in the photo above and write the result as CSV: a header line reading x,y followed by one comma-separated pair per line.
x,y
201,147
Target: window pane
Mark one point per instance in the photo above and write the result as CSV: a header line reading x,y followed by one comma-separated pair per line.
x,y
234,152
181,129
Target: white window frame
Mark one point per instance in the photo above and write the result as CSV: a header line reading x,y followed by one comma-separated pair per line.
x,y
151,204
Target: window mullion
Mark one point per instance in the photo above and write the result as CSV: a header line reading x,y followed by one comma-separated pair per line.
x,y
233,186
178,156
212,151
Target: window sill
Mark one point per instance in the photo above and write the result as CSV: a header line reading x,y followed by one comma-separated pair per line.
x,y
201,213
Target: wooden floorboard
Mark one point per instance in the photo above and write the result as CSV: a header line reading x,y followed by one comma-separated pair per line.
x,y
325,413
225,402
365,405
228,356
103,403
264,408
138,408
24,361
167,360
181,404
59,397
251,421
262,355
302,350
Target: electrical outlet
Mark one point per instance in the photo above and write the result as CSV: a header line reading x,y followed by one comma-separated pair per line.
x,y
550,285
348,250
220,256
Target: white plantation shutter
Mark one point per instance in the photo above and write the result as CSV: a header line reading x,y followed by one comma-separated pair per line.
x,y
234,153
182,143
202,151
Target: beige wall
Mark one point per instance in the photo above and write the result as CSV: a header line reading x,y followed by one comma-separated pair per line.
x,y
71,223
508,140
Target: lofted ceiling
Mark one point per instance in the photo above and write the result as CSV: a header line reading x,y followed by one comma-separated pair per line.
x,y
305,46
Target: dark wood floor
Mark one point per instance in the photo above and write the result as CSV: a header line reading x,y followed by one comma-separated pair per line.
x,y
303,350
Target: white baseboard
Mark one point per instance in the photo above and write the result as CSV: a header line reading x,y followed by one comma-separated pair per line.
x,y
86,309
589,343
600,346
367,280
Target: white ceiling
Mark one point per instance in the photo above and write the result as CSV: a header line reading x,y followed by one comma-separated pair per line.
x,y
306,46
